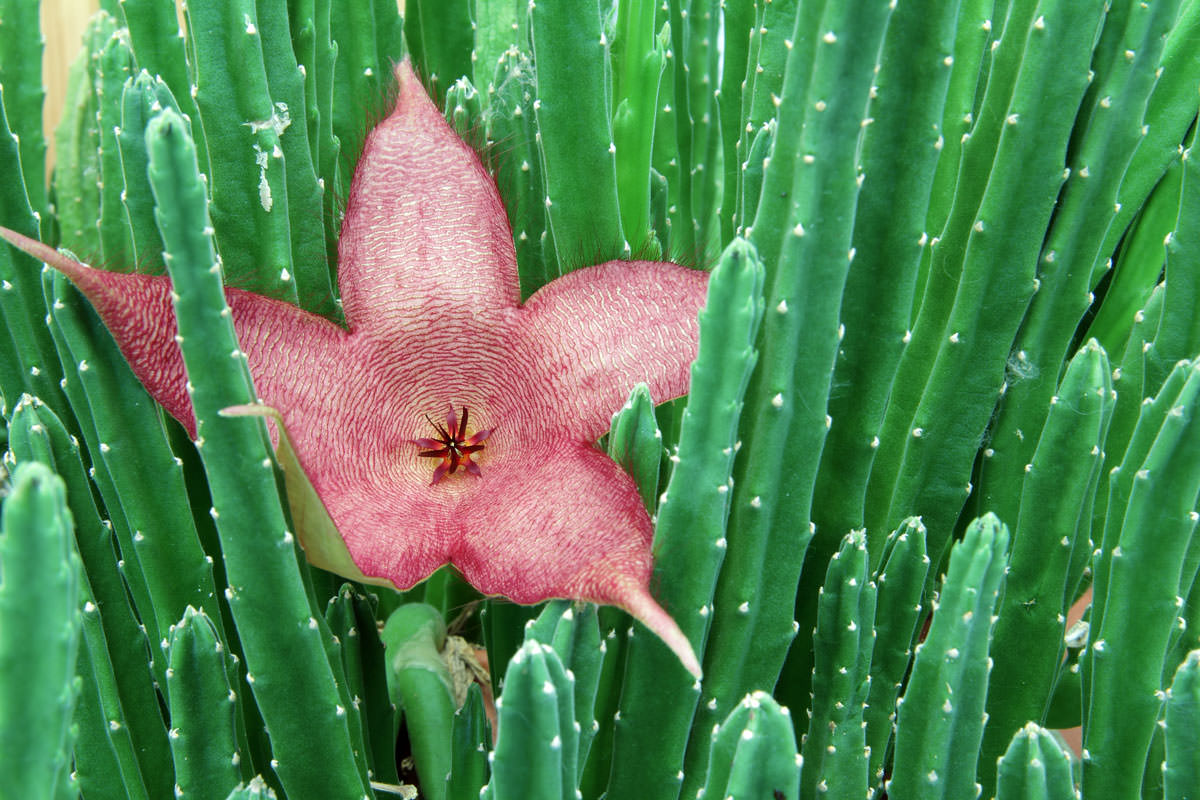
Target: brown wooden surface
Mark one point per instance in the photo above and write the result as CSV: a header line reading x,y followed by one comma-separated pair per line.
x,y
63,23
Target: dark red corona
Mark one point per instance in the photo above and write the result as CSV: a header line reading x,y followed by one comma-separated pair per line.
x,y
453,446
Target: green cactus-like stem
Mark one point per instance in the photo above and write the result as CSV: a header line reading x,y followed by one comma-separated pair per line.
x,y
257,789
1178,333
464,110
1130,436
243,128
316,54
63,297
905,116
29,363
351,618
666,187
141,98
504,631
574,633
470,742
752,173
1087,207
975,29
1138,264
282,637
1181,771
570,52
21,46
107,762
738,23
96,769
673,135
754,753
512,126
420,686
803,234
369,40
659,698
775,25
39,606
1128,374
1034,767
933,423
635,442
77,142
287,86
538,742
497,24
115,65
36,434
1137,583
302,33
901,581
700,30
126,435
204,711
1168,116
835,748
940,721
1050,548
614,640
443,48
158,41
638,61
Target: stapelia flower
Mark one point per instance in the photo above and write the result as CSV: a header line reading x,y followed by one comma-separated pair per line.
x,y
436,331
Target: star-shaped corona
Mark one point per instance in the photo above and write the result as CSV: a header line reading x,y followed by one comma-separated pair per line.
x,y
428,281
453,446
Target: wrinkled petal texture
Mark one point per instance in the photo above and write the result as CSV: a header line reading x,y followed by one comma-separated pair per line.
x,y
572,509
600,330
425,236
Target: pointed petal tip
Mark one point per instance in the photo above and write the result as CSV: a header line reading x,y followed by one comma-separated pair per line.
x,y
404,71
646,610
41,251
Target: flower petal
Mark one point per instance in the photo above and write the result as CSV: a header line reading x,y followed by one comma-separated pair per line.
x,y
426,238
600,330
563,522
292,354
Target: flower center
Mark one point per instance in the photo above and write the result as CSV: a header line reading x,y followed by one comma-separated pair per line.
x,y
453,445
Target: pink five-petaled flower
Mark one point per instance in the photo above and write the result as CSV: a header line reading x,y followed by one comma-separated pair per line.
x,y
428,280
